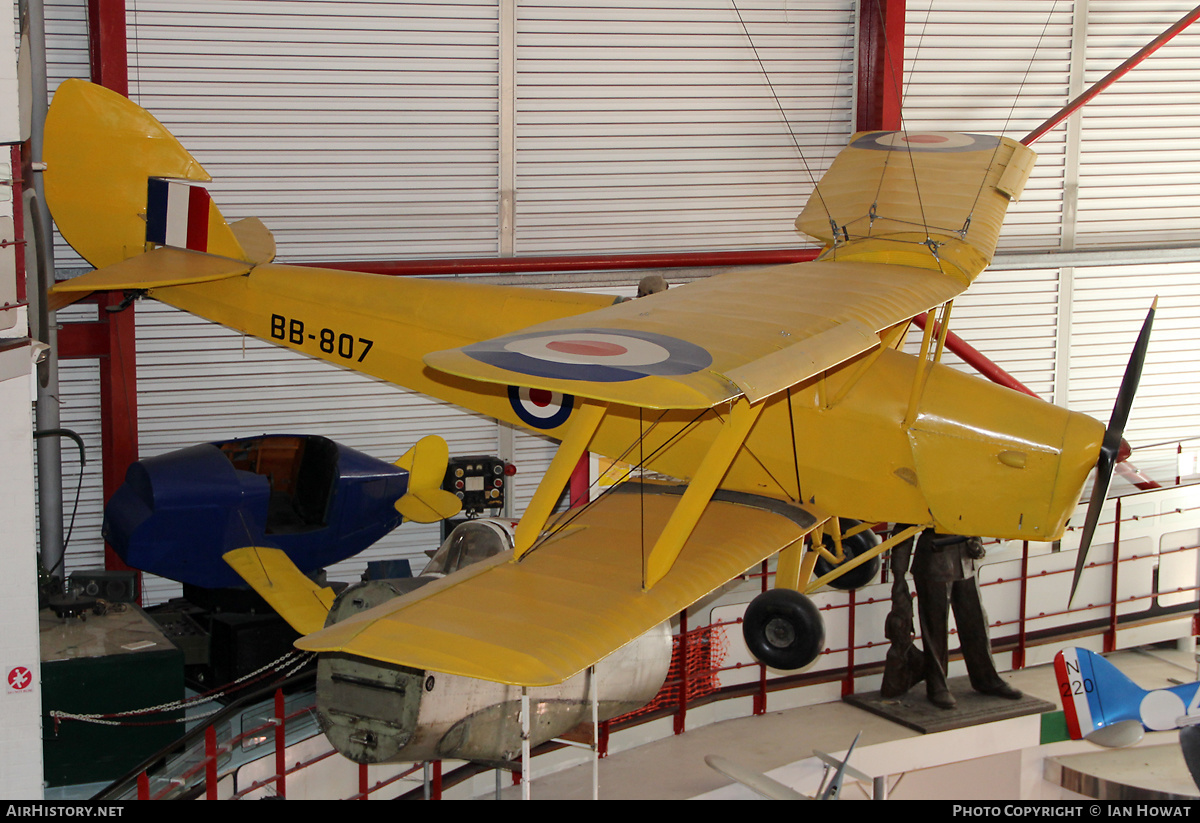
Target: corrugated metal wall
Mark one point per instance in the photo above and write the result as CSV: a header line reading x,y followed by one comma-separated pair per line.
x,y
386,130
652,126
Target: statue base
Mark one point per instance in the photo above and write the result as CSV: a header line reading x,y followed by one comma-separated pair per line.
x,y
913,709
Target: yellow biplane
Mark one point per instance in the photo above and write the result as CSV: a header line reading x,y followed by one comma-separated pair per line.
x,y
779,399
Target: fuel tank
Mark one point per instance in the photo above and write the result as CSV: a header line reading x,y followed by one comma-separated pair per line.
x,y
375,712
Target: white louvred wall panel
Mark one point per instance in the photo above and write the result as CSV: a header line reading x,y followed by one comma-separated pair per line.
x,y
66,57
995,67
1138,151
353,130
1010,317
1109,307
652,126
1006,81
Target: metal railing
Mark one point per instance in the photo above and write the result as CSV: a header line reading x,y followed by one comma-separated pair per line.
x,y
205,756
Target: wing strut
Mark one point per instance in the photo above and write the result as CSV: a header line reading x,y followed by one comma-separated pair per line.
x,y
586,420
709,475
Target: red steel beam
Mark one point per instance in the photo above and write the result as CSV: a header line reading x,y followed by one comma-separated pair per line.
x,y
1112,77
109,59
107,46
880,65
563,263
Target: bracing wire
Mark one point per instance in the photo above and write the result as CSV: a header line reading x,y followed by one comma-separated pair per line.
x,y
778,103
1016,97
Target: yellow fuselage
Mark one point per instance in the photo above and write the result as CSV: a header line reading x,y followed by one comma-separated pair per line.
x,y
975,458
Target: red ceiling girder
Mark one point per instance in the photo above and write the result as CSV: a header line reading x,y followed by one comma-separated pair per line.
x,y
880,65
107,47
118,361
1112,77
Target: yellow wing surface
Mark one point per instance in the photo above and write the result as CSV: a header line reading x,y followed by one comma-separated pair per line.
x,y
573,600
930,199
753,333
911,220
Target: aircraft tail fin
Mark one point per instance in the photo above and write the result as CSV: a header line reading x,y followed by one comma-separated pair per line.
x,y
1098,700
271,573
119,183
426,501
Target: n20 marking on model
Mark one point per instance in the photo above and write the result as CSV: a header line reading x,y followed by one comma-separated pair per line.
x,y
328,341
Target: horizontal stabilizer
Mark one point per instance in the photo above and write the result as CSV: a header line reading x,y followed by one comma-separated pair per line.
x,y
156,269
426,501
271,573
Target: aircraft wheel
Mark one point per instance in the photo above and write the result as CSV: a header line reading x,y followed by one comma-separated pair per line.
x,y
858,544
783,629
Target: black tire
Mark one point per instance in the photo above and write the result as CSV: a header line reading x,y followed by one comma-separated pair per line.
x,y
860,543
783,629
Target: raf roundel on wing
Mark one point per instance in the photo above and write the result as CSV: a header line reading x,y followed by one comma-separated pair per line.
x,y
925,141
594,355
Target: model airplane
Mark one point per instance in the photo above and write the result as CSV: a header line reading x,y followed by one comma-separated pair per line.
x,y
772,789
1104,706
779,398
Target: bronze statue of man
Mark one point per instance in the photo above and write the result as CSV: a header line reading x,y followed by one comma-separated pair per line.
x,y
943,570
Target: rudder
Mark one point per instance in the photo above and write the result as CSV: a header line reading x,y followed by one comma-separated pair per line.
x,y
1095,694
109,162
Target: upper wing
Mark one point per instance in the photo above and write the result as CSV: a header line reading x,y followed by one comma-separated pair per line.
x,y
911,220
753,333
574,599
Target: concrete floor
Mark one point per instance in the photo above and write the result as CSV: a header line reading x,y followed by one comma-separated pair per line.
x,y
996,760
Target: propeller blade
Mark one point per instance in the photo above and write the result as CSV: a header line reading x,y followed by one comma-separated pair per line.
x,y
1111,447
1189,741
1133,375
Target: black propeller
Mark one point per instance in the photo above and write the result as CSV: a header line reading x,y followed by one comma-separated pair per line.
x,y
1112,444
1189,741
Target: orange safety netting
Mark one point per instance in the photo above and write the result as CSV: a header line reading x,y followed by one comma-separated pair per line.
x,y
705,649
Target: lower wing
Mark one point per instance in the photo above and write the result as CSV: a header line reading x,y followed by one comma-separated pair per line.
x,y
576,597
